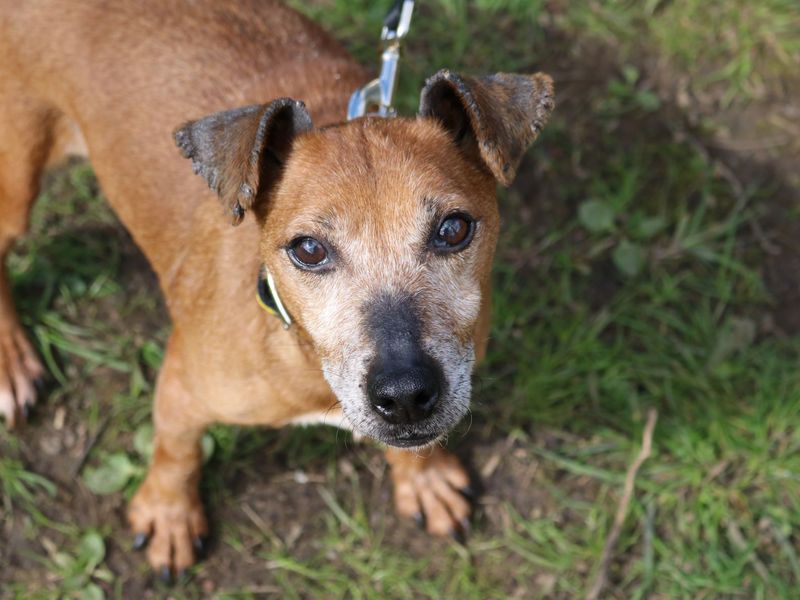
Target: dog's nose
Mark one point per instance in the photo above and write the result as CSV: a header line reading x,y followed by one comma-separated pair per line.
x,y
403,397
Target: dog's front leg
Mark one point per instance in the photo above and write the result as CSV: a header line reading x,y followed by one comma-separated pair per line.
x,y
166,513
431,486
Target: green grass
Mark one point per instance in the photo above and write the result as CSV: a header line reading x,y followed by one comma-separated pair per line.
x,y
743,56
628,277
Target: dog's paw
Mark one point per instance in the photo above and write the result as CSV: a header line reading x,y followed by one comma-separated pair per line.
x,y
21,376
172,526
433,488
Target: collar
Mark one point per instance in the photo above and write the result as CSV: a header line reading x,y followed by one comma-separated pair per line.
x,y
268,298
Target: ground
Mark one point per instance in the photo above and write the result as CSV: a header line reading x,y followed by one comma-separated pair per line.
x,y
650,258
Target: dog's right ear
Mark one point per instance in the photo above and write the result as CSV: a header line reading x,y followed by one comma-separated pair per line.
x,y
241,152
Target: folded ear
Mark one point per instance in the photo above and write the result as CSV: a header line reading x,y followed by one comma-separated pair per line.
x,y
241,152
494,119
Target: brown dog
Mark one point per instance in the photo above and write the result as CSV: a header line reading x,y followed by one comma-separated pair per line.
x,y
378,233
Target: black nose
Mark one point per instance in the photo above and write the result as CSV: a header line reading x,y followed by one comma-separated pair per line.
x,y
403,396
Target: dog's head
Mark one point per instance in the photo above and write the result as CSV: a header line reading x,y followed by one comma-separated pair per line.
x,y
380,233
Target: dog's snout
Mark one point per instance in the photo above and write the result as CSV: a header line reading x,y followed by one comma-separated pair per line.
x,y
404,383
403,396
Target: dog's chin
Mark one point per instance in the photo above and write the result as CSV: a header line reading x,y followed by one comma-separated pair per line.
x,y
410,436
411,442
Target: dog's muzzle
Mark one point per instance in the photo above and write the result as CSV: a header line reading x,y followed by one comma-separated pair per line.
x,y
405,385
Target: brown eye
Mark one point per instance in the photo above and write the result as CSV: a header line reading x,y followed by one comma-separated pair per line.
x,y
454,233
307,252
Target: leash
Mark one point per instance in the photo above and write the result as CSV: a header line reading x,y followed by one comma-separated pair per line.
x,y
377,94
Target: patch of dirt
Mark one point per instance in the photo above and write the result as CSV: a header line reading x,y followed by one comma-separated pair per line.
x,y
272,502
782,261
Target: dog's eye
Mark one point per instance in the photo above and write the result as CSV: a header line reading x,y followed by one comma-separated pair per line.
x,y
308,252
454,233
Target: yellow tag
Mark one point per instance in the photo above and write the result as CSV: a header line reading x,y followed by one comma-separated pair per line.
x,y
269,309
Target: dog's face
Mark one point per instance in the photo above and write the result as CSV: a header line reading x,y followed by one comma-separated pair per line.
x,y
380,235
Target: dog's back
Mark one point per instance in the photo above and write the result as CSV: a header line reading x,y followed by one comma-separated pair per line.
x,y
203,55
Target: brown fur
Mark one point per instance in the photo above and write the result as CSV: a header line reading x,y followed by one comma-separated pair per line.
x,y
114,80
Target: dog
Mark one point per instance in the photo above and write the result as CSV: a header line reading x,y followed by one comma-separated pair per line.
x,y
373,238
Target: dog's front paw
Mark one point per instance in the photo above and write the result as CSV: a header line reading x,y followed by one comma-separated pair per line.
x,y
432,487
171,525
20,376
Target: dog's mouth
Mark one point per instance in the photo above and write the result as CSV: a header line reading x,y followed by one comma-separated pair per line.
x,y
411,440
409,436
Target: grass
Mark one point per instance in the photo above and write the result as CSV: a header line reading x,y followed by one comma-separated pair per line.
x,y
743,57
628,276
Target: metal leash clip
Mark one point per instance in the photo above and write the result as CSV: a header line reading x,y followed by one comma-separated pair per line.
x,y
378,94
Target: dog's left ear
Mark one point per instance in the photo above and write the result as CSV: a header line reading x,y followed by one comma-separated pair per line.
x,y
493,119
241,152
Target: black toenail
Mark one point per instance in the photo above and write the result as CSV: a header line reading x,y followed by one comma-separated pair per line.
x,y
469,492
140,541
199,545
419,519
26,410
465,525
166,575
39,384
457,535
